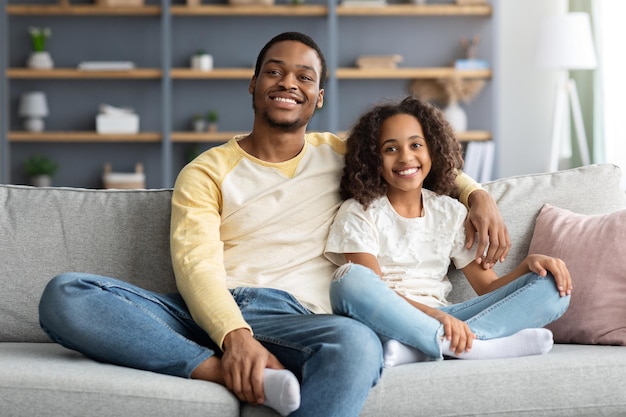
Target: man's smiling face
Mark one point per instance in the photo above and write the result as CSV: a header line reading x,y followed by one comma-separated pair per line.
x,y
286,92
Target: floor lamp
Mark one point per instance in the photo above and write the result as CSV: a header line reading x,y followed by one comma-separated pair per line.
x,y
565,44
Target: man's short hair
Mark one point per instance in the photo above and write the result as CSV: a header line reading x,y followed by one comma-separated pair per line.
x,y
298,37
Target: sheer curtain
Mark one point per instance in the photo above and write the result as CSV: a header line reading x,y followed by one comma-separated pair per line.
x,y
610,83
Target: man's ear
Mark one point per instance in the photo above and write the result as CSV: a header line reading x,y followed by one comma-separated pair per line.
x,y
252,85
320,99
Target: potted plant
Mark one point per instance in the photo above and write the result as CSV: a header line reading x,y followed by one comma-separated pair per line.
x,y
199,123
39,58
212,118
40,169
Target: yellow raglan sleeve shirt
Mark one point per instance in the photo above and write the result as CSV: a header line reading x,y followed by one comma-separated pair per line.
x,y
197,250
465,186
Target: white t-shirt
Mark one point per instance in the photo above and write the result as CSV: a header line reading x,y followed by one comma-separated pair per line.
x,y
414,254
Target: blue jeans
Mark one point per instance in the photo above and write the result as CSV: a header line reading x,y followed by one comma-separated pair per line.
x,y
529,301
336,359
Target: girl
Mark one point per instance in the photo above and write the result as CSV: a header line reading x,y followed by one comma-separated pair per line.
x,y
399,224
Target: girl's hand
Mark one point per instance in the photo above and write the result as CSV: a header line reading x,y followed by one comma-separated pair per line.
x,y
542,264
456,331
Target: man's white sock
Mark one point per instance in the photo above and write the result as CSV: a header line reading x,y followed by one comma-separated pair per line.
x,y
396,353
536,341
282,390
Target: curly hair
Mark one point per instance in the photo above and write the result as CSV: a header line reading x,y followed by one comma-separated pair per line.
x,y
362,176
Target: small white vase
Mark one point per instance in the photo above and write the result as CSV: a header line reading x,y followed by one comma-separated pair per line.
x,y
456,116
41,181
202,62
40,60
199,125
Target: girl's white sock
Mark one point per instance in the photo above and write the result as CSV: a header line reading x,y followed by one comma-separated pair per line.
x,y
536,341
396,353
282,390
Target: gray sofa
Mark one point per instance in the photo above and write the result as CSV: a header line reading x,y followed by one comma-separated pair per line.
x,y
46,231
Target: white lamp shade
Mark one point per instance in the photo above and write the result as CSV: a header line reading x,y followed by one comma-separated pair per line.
x,y
565,42
33,104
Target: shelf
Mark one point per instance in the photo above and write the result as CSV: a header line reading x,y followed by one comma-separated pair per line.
x,y
474,136
252,10
87,136
256,10
408,73
220,137
468,136
216,73
342,73
204,137
143,73
416,10
82,10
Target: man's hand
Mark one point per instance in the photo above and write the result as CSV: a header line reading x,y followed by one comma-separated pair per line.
x,y
243,363
485,220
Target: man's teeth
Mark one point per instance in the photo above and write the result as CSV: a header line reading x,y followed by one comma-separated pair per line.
x,y
285,100
408,171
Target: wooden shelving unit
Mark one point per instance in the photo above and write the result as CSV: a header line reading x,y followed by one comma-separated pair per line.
x,y
417,10
204,137
71,73
300,10
409,73
166,138
82,137
216,73
82,10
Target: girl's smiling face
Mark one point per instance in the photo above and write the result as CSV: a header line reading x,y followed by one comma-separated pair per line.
x,y
405,155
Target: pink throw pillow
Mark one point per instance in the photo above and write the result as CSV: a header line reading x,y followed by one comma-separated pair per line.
x,y
594,249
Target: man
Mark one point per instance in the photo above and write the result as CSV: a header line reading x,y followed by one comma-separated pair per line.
x,y
249,225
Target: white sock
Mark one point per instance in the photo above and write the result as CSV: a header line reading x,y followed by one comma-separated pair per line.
x,y
282,390
396,353
537,341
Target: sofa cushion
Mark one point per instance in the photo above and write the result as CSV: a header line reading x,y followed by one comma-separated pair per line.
x,y
591,189
45,379
594,249
47,231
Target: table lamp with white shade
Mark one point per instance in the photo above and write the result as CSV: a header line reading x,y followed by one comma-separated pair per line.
x,y
565,43
34,107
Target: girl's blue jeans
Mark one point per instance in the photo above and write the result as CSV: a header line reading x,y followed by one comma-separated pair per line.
x,y
336,359
529,301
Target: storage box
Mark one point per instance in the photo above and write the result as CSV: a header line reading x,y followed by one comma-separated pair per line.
x,y
123,180
119,2
378,61
117,123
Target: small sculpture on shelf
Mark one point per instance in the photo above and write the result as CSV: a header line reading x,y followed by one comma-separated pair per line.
x,y
470,59
39,57
33,107
201,61
40,170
